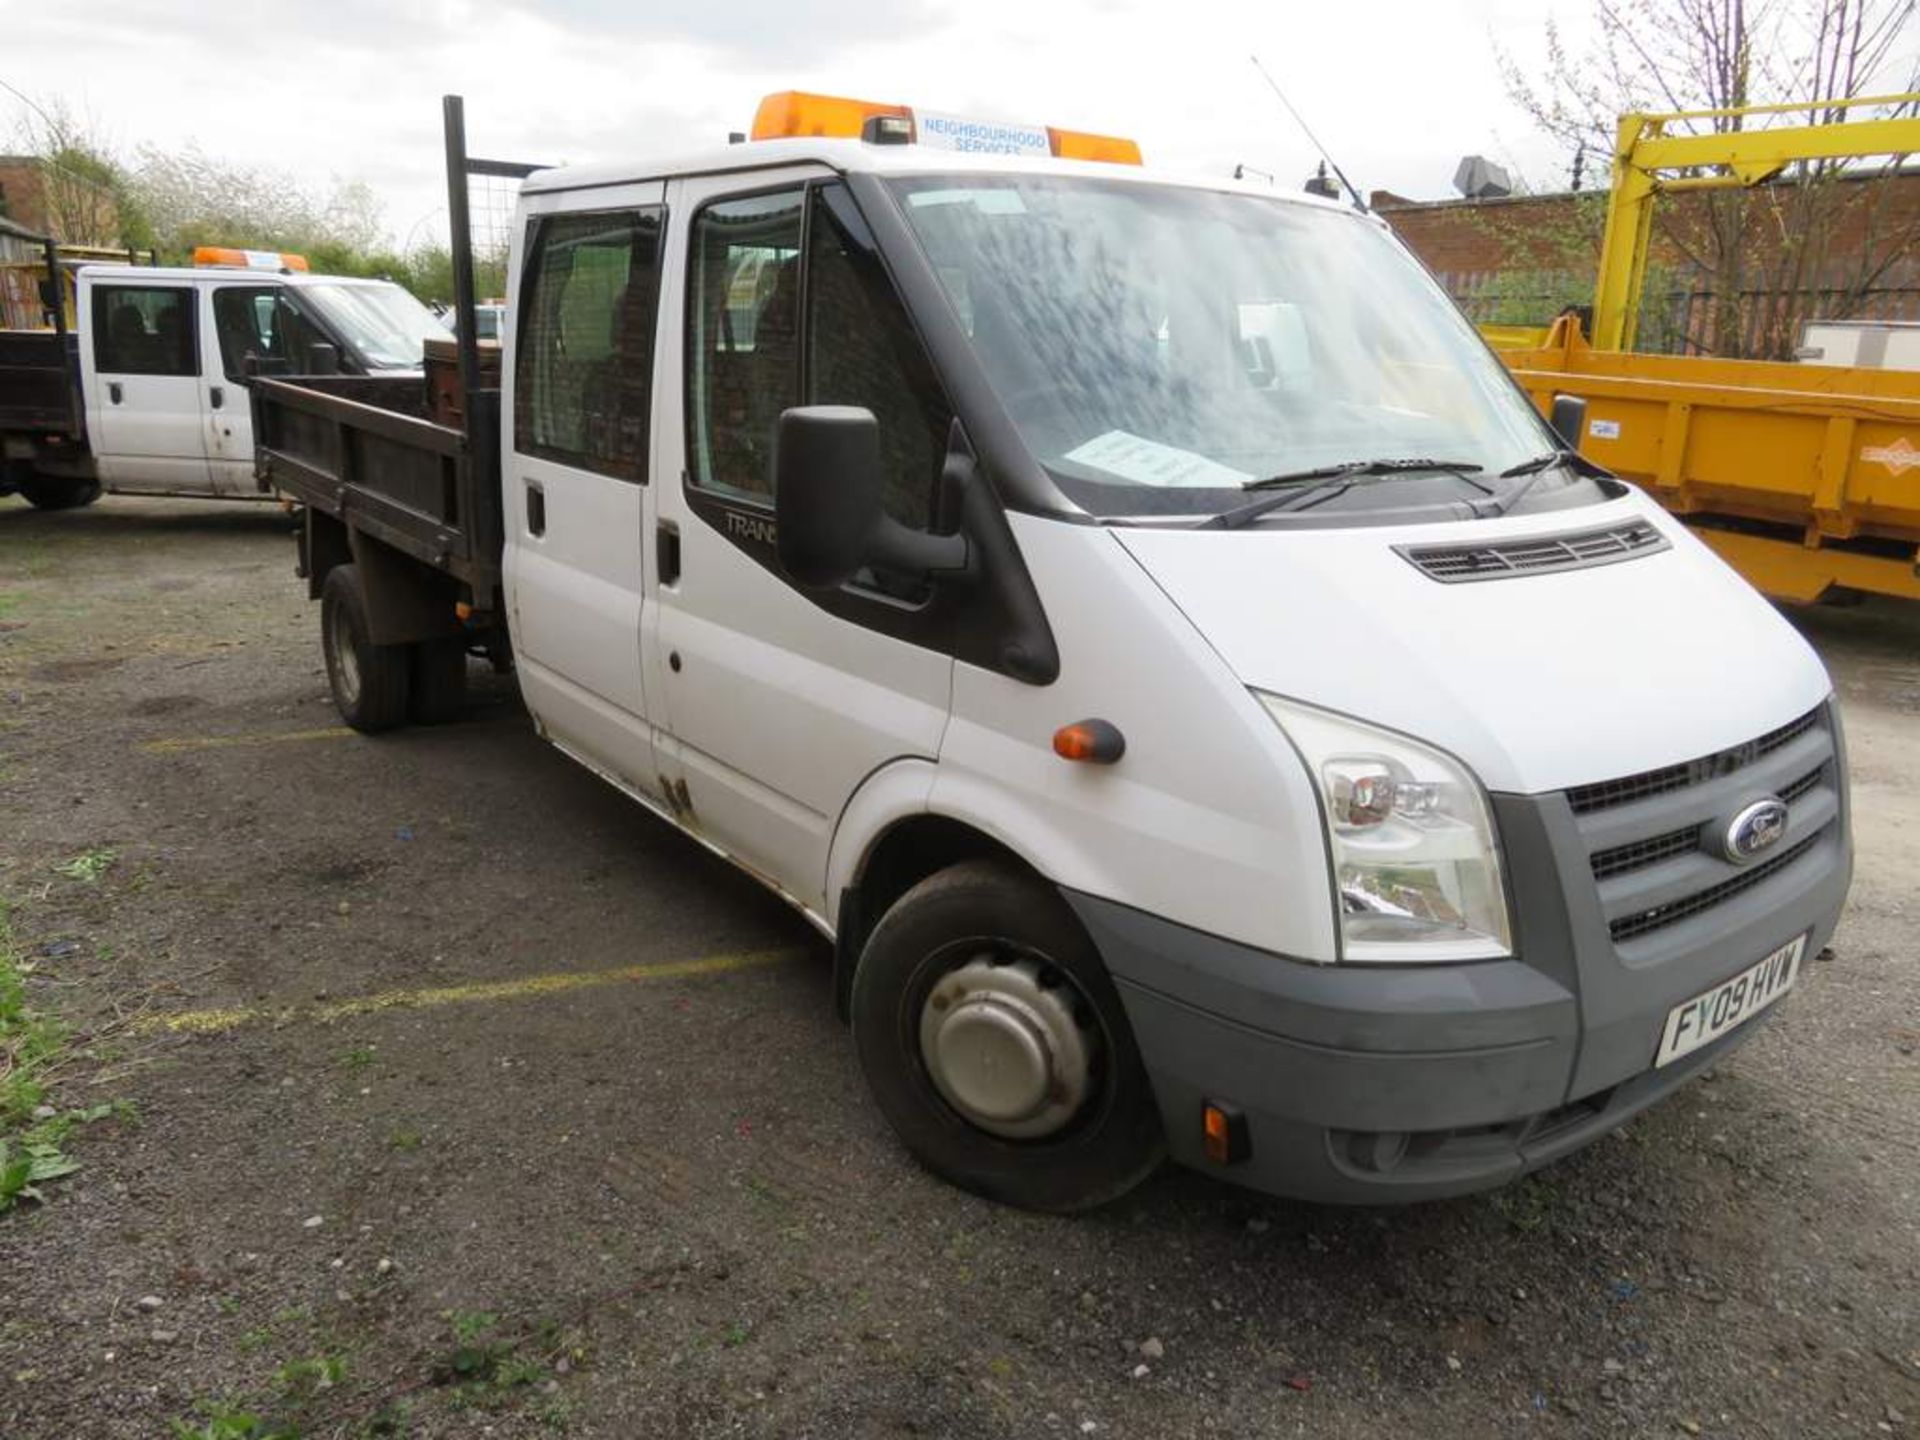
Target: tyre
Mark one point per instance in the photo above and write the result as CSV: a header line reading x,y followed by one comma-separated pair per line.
x,y
995,1044
56,492
369,682
437,681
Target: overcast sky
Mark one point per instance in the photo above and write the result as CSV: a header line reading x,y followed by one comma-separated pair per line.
x,y
1398,89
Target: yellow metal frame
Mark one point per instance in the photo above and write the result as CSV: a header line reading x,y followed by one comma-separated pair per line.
x,y
1643,152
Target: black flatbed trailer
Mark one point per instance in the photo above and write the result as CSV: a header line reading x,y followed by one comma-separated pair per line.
x,y
40,383
43,418
363,451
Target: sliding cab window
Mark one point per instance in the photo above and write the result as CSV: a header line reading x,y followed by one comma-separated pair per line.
x,y
262,323
143,330
584,366
792,306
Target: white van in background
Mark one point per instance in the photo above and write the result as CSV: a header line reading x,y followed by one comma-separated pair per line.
x,y
148,397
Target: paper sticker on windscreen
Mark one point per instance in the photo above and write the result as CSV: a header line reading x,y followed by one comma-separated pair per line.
x,y
1148,462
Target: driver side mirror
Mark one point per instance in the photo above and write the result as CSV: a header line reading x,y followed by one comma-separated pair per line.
x,y
827,489
1569,419
323,358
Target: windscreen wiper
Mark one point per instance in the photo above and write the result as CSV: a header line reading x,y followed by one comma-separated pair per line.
x,y
1303,489
1532,470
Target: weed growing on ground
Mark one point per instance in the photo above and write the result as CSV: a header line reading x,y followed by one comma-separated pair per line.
x,y
219,1421
88,866
31,1135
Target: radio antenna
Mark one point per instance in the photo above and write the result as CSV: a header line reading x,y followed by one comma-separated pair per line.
x,y
1307,130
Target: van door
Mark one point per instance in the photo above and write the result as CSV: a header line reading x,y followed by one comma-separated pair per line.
x,y
142,358
245,321
577,386
781,702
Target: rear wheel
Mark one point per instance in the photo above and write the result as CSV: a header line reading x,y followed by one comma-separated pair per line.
x,y
58,492
369,682
437,681
995,1043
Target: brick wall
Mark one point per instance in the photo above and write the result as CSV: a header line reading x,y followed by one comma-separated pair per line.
x,y
21,190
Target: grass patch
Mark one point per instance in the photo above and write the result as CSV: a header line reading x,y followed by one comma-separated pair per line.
x,y
486,1364
32,1136
88,866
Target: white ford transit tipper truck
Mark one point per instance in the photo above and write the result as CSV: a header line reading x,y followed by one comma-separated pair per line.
x,y
1134,619
147,395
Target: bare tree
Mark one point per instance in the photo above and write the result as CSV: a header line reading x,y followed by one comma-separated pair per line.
x,y
1822,237
83,191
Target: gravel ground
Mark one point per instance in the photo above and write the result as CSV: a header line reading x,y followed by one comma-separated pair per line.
x,y
398,1184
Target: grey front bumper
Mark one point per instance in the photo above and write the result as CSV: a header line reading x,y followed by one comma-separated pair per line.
x,y
1380,1084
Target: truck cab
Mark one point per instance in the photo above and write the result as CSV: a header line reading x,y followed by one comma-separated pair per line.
x,y
1207,708
162,357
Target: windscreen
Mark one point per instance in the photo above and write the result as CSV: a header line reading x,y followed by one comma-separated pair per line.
x,y
383,324
1160,346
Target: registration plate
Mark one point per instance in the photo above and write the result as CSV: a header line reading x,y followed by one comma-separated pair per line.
x,y
1712,1013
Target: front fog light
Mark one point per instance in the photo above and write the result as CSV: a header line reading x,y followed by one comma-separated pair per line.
x,y
1414,853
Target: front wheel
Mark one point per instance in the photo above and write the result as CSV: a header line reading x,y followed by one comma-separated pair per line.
x,y
369,682
57,492
995,1043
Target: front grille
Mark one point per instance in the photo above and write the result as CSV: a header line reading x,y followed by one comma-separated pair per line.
x,y
1626,927
1608,793
1652,839
1639,854
1539,555
1806,782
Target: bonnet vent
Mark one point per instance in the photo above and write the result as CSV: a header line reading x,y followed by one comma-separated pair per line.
x,y
1535,555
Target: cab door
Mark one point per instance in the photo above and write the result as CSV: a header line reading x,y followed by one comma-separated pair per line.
x,y
142,357
239,322
577,393
246,319
780,702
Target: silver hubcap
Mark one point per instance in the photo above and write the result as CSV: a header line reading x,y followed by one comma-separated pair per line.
x,y
1006,1049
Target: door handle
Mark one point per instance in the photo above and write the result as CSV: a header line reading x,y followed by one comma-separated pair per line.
x,y
216,397
666,552
113,391
536,508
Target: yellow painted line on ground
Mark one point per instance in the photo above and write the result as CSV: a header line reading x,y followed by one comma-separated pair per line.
x,y
212,1022
221,742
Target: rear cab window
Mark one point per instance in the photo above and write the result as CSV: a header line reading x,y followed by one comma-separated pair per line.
x,y
583,368
144,330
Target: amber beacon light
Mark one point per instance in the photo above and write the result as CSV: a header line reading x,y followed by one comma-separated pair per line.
x,y
792,114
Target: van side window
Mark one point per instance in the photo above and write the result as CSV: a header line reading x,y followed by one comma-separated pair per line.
x,y
143,330
861,350
263,322
583,371
745,294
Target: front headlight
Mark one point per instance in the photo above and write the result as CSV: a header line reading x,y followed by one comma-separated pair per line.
x,y
1415,858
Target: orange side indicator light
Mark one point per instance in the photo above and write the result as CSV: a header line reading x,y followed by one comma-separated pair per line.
x,y
1098,742
1223,1132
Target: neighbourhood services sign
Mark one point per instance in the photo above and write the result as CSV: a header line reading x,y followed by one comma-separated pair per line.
x,y
981,137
